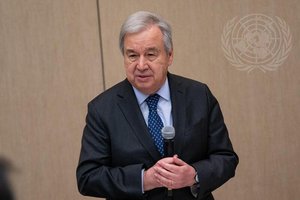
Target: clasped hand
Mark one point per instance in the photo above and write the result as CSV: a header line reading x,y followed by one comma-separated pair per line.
x,y
170,172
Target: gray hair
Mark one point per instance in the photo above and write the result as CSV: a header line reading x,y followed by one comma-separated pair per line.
x,y
139,21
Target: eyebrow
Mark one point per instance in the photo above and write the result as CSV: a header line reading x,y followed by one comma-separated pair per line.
x,y
147,49
129,51
152,49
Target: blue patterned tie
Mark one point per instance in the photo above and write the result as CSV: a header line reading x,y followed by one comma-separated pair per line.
x,y
155,123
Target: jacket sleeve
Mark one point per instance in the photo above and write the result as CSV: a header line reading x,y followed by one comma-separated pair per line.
x,y
95,174
221,159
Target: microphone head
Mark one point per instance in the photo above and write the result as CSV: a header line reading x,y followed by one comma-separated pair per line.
x,y
168,132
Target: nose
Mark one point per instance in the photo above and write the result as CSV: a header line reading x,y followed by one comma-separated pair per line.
x,y
142,63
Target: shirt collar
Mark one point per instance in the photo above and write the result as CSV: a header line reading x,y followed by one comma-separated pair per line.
x,y
164,92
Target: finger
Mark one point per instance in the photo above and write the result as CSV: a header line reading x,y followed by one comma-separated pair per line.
x,y
166,160
165,182
168,167
163,171
178,161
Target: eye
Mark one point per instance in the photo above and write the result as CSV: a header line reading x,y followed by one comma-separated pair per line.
x,y
151,56
132,56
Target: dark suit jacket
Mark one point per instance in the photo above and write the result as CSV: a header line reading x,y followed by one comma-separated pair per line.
x,y
116,144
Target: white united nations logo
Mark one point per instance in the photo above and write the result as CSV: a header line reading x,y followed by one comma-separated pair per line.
x,y
256,41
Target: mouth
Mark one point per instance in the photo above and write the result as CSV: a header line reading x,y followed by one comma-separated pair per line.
x,y
143,78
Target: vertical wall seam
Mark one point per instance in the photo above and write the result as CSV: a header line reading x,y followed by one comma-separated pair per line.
x,y
101,45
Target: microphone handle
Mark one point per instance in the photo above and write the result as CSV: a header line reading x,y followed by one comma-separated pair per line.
x,y
169,152
169,147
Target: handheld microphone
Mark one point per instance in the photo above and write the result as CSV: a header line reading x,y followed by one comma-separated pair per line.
x,y
168,134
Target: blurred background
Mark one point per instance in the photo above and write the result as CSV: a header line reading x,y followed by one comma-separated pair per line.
x,y
56,55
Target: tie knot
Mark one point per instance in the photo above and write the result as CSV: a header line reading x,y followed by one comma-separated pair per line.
x,y
152,101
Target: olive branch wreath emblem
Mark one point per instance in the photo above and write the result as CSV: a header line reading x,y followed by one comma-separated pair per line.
x,y
273,64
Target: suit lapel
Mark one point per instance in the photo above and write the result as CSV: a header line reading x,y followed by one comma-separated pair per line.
x,y
178,111
128,104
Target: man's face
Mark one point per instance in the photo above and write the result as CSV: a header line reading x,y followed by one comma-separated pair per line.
x,y
145,59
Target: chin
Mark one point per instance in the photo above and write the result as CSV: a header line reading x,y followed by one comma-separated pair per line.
x,y
145,90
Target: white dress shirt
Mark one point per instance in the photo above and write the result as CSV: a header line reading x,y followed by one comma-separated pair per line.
x,y
164,106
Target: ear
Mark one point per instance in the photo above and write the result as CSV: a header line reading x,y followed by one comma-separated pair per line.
x,y
171,56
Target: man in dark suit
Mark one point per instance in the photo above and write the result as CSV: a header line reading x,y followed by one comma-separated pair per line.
x,y
6,192
121,156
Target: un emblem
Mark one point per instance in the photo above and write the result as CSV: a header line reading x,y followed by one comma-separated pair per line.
x,y
256,41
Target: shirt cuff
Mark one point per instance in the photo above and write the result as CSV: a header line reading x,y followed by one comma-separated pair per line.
x,y
142,177
195,190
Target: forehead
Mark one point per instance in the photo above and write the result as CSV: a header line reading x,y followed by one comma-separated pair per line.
x,y
150,38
